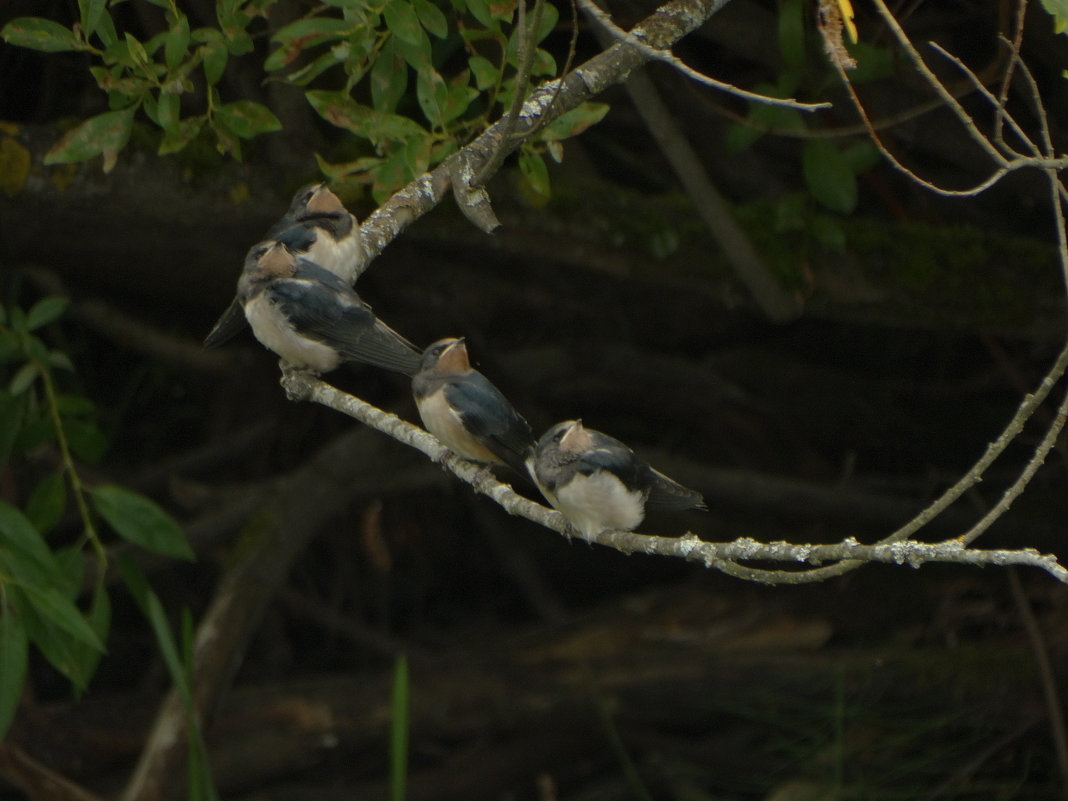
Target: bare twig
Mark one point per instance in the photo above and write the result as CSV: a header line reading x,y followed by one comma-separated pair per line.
x,y
636,40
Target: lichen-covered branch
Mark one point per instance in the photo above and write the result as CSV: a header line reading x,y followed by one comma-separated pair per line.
x,y
723,556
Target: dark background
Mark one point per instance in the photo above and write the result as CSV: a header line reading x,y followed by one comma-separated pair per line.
x,y
542,666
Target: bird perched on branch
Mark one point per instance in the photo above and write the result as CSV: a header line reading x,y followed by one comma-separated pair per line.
x,y
466,412
598,483
313,319
316,226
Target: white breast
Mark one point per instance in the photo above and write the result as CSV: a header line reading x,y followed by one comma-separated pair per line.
x,y
341,258
274,331
599,503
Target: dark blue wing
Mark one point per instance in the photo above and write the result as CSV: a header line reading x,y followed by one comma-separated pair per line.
x,y
487,414
323,307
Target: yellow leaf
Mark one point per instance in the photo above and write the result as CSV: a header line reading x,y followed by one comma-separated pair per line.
x,y
846,7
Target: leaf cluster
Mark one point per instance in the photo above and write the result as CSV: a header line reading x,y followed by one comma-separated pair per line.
x,y
42,574
412,80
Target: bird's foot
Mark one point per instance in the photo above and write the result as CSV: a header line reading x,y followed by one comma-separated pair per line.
x,y
296,381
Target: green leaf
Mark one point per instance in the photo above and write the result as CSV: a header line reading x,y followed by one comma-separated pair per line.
x,y
246,118
459,96
167,111
431,18
176,138
37,33
543,63
873,62
91,13
60,360
573,122
45,311
213,52
14,655
1059,10
377,126
104,134
83,658
152,609
433,94
233,22
59,611
23,551
402,21
400,724
176,42
75,405
389,77
418,54
480,10
309,72
535,172
861,156
140,520
105,30
86,440
829,176
23,378
47,502
137,51
792,33
485,72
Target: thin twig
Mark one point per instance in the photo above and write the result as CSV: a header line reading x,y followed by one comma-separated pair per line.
x,y
635,40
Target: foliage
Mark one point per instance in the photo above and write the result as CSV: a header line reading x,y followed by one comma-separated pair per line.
x,y
42,580
411,79
829,167
1059,10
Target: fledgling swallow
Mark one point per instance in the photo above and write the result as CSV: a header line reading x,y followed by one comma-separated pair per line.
x,y
313,319
466,412
598,483
317,227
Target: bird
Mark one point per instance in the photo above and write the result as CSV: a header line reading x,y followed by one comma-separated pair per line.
x,y
316,226
598,483
313,319
466,412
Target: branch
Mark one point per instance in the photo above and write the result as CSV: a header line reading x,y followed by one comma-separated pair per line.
x,y
462,170
721,556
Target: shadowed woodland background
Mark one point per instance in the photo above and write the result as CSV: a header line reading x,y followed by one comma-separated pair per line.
x,y
543,668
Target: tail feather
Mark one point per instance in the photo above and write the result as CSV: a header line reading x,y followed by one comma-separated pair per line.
x,y
671,496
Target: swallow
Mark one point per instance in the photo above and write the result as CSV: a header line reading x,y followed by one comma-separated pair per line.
x,y
466,412
317,227
313,319
598,483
